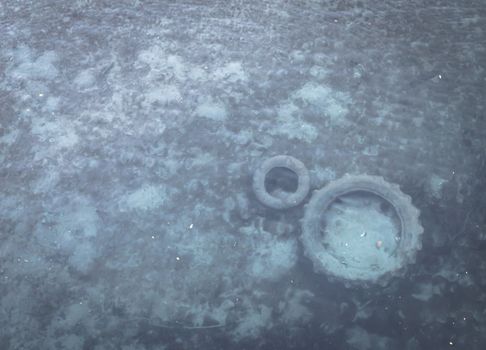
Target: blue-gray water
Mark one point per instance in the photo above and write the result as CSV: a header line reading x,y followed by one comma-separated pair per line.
x,y
129,133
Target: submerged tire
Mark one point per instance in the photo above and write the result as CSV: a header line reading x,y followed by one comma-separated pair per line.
x,y
287,201
348,268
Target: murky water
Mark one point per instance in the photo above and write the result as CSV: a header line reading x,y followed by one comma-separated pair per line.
x,y
129,134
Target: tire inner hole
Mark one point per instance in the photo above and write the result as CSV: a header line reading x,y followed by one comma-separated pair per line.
x,y
281,182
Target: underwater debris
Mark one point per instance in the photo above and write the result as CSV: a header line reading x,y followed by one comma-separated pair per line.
x,y
284,199
359,204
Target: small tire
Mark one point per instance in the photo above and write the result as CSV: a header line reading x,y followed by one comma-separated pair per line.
x,y
294,198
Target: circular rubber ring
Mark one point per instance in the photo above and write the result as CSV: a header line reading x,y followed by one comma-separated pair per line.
x,y
294,198
410,227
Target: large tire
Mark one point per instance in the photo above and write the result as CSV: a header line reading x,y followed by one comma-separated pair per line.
x,y
325,262
292,199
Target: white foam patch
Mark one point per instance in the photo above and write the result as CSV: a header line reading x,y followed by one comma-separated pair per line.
x,y
204,315
297,56
66,341
318,72
293,308
272,261
43,67
160,62
270,257
196,158
162,95
359,339
232,72
199,246
435,185
256,319
291,124
426,291
371,150
455,273
9,138
221,312
83,257
320,175
330,102
154,56
76,222
85,79
52,104
47,181
57,133
197,74
177,66
146,197
74,315
211,110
